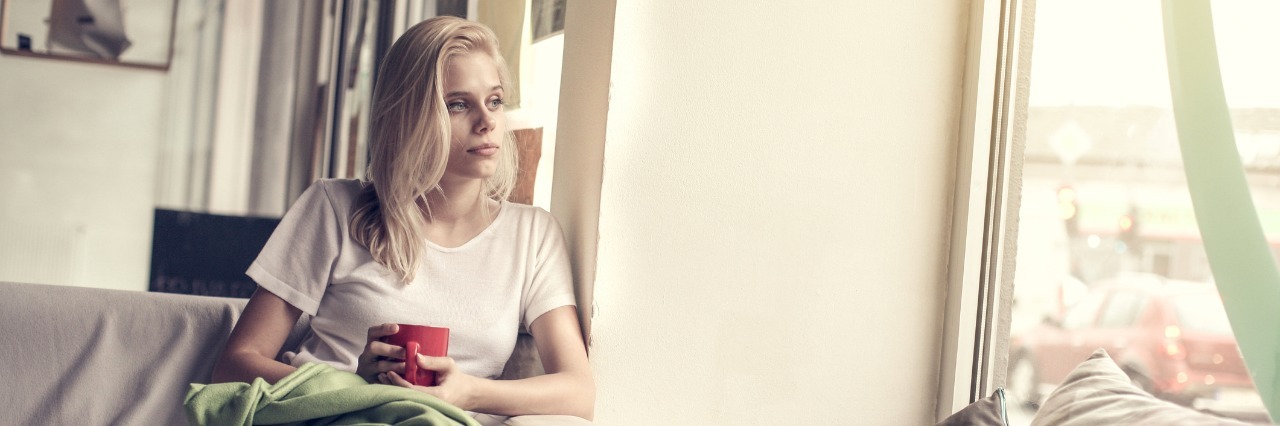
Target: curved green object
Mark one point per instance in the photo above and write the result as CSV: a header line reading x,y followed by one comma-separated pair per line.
x,y
1239,256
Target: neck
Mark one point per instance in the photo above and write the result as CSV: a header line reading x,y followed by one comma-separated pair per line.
x,y
455,203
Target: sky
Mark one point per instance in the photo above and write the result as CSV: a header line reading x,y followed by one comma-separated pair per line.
x,y
1111,53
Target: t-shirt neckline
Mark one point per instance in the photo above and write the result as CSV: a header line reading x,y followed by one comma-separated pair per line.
x,y
502,212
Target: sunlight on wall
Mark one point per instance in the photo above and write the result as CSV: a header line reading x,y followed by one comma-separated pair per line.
x,y
773,213
78,161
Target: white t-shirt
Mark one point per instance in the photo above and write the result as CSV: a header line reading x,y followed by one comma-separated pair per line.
x,y
484,291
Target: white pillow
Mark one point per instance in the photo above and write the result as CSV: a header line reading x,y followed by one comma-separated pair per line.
x,y
989,411
1097,392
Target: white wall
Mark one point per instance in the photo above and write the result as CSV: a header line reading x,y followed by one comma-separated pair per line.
x,y
77,165
542,98
540,67
774,209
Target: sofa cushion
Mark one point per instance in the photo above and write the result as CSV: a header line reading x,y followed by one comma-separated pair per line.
x,y
989,411
1097,392
91,356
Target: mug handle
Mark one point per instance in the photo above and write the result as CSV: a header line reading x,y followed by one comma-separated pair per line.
x,y
411,363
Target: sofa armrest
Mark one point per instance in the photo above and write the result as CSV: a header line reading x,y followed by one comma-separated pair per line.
x,y
76,355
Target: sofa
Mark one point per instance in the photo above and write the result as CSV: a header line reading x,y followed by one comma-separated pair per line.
x,y
88,356
76,355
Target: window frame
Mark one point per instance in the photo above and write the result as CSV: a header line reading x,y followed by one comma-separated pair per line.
x,y
991,130
991,140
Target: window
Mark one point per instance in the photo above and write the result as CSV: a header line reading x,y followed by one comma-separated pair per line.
x,y
1082,315
1122,309
1203,314
1104,197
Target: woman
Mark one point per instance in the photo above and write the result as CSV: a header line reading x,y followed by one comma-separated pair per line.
x,y
427,239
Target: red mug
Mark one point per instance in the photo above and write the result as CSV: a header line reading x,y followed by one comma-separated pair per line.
x,y
420,339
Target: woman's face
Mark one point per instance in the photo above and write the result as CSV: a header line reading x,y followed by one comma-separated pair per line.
x,y
473,96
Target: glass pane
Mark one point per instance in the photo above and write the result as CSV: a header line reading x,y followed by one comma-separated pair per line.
x,y
1109,254
1122,310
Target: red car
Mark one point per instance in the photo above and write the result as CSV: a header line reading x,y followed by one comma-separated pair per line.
x,y
1171,337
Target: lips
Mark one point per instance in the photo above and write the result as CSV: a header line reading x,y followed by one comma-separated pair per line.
x,y
484,149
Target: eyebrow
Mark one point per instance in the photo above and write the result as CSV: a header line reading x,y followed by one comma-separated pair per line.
x,y
463,94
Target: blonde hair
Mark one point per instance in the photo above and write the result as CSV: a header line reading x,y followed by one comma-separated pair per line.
x,y
410,140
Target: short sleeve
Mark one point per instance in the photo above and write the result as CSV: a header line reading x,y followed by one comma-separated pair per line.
x,y
552,283
298,259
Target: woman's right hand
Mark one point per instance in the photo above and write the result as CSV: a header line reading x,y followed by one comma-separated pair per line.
x,y
379,357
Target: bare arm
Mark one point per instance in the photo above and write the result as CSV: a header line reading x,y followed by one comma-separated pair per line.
x,y
567,388
256,339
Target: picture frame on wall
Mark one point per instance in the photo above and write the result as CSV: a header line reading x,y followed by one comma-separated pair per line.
x,y
547,18
97,31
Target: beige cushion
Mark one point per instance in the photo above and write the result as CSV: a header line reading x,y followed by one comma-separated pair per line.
x,y
1097,392
989,411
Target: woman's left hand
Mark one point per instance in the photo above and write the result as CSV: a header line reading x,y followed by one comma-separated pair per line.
x,y
452,386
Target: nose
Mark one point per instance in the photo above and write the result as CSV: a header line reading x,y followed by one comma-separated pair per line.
x,y
485,121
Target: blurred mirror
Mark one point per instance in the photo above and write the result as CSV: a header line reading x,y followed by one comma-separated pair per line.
x,y
137,33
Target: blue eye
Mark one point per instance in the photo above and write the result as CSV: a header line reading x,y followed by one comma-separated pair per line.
x,y
458,106
496,103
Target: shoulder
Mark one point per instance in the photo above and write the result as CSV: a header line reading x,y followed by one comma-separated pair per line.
x,y
528,215
536,224
339,188
339,193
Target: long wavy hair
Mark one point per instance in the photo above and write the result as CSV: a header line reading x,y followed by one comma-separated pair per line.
x,y
410,141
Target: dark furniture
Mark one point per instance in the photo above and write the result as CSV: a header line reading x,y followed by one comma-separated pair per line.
x,y
206,254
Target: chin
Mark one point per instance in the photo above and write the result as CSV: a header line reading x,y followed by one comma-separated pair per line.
x,y
482,175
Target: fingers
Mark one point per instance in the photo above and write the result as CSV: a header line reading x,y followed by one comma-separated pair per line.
x,y
439,364
374,348
388,366
382,330
391,378
387,371
379,349
371,371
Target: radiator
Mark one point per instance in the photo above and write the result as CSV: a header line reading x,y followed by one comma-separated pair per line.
x,y
42,254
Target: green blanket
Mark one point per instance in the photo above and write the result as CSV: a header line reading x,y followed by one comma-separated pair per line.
x,y
317,394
